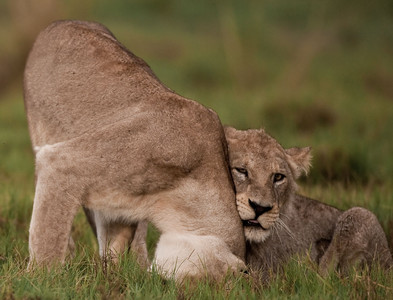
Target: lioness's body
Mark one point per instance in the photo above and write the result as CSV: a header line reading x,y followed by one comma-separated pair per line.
x,y
278,223
111,138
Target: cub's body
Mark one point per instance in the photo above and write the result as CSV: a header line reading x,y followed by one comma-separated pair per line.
x,y
332,238
306,226
278,223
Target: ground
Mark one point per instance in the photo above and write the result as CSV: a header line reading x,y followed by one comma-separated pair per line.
x,y
311,75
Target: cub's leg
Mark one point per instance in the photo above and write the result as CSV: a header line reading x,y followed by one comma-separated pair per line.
x,y
54,210
358,239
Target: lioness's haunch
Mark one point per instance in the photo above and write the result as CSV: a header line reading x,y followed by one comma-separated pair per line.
x,y
110,137
279,223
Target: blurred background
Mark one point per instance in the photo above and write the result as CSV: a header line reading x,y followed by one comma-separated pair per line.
x,y
316,73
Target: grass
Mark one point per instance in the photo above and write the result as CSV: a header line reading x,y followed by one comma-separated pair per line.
x,y
311,74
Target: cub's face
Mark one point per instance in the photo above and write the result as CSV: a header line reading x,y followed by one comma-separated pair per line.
x,y
264,176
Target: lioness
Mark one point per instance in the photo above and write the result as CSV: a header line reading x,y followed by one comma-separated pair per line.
x,y
110,137
279,223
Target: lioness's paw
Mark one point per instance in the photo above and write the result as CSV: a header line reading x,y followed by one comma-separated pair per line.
x,y
191,256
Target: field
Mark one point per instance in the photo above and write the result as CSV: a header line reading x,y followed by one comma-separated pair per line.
x,y
312,73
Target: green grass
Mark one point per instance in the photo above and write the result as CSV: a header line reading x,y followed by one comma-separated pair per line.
x,y
311,73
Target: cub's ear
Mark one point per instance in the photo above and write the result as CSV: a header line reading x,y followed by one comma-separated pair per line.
x,y
230,132
299,160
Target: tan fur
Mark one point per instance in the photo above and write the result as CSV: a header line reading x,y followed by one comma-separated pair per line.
x,y
262,156
295,224
110,137
138,245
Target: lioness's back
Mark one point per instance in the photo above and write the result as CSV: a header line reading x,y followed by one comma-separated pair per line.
x,y
79,77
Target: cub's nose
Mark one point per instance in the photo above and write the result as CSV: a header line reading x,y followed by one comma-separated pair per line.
x,y
259,209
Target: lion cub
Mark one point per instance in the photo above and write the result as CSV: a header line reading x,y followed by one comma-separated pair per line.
x,y
278,223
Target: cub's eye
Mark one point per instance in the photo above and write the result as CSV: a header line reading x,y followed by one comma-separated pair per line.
x,y
242,171
278,177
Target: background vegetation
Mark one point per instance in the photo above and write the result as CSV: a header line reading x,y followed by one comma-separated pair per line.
x,y
316,73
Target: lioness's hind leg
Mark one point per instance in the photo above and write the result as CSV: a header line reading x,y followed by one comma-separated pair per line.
x,y
358,239
114,238
118,238
51,222
90,219
139,246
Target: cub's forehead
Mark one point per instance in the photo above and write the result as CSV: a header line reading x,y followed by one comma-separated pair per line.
x,y
254,145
